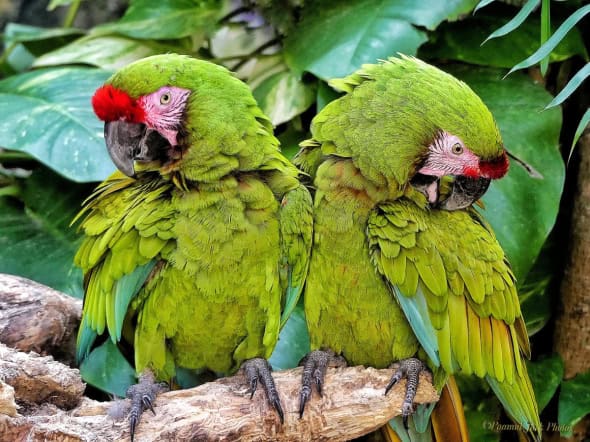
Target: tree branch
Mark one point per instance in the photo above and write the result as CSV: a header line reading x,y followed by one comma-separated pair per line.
x,y
352,402
34,317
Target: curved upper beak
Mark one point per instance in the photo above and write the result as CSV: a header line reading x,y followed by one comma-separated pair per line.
x,y
130,142
464,193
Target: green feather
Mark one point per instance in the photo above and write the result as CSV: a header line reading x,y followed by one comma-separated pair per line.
x,y
388,271
86,337
195,262
126,289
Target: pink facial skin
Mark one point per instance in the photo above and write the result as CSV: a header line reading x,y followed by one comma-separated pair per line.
x,y
164,110
448,155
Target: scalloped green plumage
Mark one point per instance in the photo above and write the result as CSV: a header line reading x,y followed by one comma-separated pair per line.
x,y
192,264
367,218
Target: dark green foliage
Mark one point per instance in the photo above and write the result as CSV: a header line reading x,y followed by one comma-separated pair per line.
x,y
574,402
35,237
106,368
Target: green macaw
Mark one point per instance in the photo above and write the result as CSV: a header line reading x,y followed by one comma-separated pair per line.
x,y
196,251
402,268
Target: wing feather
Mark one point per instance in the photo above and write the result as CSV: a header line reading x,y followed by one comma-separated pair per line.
x,y
119,250
296,227
458,292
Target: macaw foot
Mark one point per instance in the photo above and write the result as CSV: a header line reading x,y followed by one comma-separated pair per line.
x,y
410,369
258,369
314,371
142,397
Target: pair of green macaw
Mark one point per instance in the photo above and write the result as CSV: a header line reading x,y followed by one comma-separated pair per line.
x,y
196,252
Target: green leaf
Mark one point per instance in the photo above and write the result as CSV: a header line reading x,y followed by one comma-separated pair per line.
x,y
537,291
518,19
171,19
109,52
53,4
584,121
290,136
461,41
334,39
325,95
283,96
521,209
571,86
293,342
574,402
545,31
482,408
236,40
546,375
553,41
17,32
29,41
107,369
481,4
35,239
47,113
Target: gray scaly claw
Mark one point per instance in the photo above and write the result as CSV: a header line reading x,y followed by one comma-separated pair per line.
x,y
314,371
142,397
410,369
259,369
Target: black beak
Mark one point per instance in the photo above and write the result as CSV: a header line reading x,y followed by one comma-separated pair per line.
x,y
129,142
465,192
428,185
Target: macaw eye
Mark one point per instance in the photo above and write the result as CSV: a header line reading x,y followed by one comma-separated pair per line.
x,y
457,149
165,98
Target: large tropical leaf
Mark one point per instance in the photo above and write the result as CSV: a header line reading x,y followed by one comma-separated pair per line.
x,y
546,376
574,402
462,41
108,52
293,342
283,96
333,40
170,19
47,113
35,237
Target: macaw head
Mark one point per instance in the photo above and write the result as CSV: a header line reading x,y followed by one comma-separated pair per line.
x,y
172,113
462,139
422,124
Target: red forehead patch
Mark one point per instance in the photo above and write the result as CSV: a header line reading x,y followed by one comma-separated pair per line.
x,y
112,104
494,169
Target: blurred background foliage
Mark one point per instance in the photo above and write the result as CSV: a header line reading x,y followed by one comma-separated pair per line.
x,y
52,150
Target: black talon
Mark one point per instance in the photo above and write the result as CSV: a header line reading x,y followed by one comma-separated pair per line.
x,y
133,420
142,397
314,370
410,369
147,403
259,369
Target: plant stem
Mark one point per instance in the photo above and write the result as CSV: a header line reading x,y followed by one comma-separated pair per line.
x,y
254,53
12,190
7,52
15,156
71,15
545,32
234,13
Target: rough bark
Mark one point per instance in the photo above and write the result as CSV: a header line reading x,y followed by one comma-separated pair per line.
x,y
42,399
353,403
572,329
34,317
39,379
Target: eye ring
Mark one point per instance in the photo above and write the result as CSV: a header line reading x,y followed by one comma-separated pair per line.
x,y
165,98
457,149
